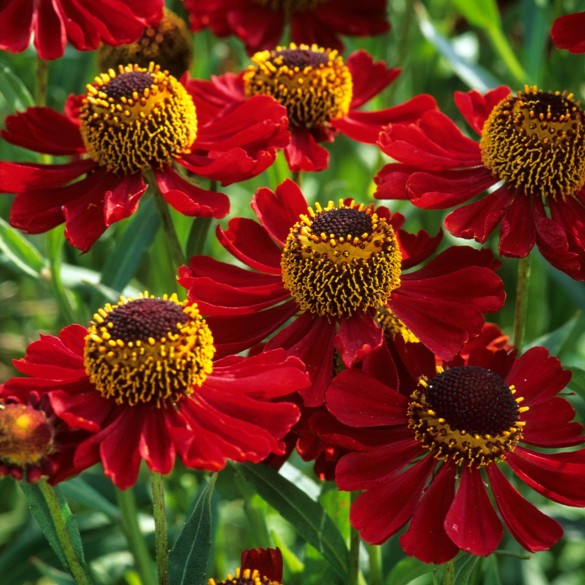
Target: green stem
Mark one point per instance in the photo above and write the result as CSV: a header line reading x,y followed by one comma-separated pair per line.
x,y
502,46
296,177
160,527
521,301
375,559
175,249
136,542
41,82
449,573
353,568
76,566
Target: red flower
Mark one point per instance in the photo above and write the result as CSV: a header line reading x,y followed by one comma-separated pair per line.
x,y
568,32
460,428
34,443
529,165
336,271
113,146
323,97
84,24
259,566
260,23
141,379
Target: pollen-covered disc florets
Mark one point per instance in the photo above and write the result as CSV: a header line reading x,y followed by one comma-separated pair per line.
x,y
466,414
26,435
312,83
393,326
148,350
245,577
535,142
137,118
341,260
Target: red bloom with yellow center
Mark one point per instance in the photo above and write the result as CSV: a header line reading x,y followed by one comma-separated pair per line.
x,y
83,24
142,381
130,122
464,427
528,169
333,269
34,442
321,93
260,23
259,566
568,32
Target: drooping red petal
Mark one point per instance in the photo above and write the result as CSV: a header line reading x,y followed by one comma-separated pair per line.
x,y
156,446
548,424
357,337
531,528
471,522
304,154
50,34
517,231
392,180
17,177
82,410
567,32
267,561
417,247
16,22
477,107
426,538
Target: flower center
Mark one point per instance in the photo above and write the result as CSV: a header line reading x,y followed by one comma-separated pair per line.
x,y
466,414
26,435
168,44
535,142
338,261
312,83
290,6
245,577
136,119
148,350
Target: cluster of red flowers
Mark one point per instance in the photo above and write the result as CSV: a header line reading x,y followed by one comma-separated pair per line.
x,y
366,345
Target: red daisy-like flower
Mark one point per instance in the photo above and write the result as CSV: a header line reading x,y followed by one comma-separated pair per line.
x,y
259,566
529,164
463,428
322,96
335,271
142,381
260,23
34,443
85,24
134,121
568,32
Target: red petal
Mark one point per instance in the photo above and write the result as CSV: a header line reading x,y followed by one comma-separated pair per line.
x,y
426,538
16,20
17,178
567,32
357,337
304,154
517,230
156,446
471,522
50,35
476,107
531,528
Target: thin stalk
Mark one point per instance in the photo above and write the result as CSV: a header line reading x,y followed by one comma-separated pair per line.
x,y
76,566
375,561
296,177
521,301
160,527
449,573
353,568
41,82
136,542
175,249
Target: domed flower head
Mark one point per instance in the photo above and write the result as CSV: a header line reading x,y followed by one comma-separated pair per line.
x,y
83,24
142,380
260,23
444,469
528,168
333,269
322,95
568,32
259,566
167,43
34,443
129,122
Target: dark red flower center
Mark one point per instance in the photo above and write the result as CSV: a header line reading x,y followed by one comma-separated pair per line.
x,y
148,350
137,119
466,414
535,142
338,261
312,83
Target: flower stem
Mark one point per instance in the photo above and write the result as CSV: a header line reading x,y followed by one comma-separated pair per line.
x,y
296,177
160,527
136,542
76,566
449,573
521,301
41,82
175,249
354,552
375,559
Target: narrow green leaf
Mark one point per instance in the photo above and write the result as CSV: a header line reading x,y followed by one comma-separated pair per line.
x,y
556,339
307,516
41,513
13,93
77,490
407,570
577,383
20,251
465,568
482,13
189,557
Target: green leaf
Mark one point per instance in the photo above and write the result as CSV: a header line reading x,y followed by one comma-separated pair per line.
x,y
20,251
407,570
77,490
189,558
14,96
307,516
465,567
40,510
577,383
481,13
